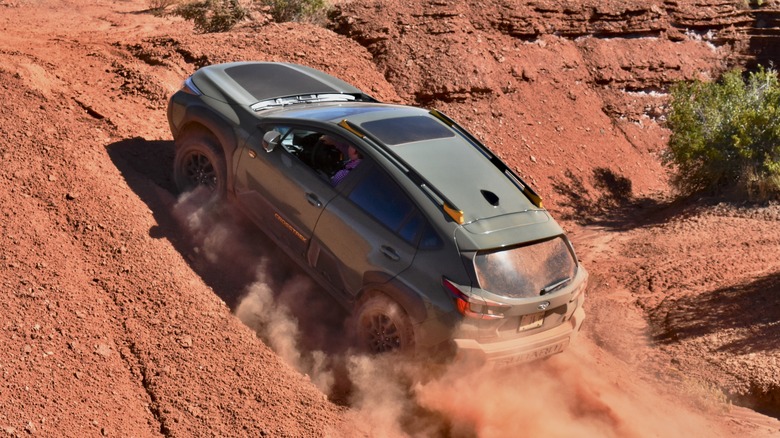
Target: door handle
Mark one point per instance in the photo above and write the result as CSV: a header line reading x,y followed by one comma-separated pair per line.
x,y
312,199
390,253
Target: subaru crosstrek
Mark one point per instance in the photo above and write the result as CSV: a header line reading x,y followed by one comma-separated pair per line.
x,y
428,239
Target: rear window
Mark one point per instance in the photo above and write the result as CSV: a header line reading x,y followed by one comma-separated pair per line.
x,y
526,271
402,130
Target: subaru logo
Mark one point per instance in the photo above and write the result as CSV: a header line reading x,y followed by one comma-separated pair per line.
x,y
543,305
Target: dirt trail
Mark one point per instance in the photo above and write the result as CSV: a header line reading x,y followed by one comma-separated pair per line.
x,y
119,312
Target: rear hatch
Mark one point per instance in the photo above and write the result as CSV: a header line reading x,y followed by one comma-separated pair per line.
x,y
524,274
523,289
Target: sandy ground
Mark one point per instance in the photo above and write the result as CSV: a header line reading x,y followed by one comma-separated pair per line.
x,y
129,311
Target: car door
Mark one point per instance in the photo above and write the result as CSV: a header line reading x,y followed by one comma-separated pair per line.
x,y
368,234
281,192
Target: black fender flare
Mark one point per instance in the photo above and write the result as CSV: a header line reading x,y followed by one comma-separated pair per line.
x,y
201,118
382,283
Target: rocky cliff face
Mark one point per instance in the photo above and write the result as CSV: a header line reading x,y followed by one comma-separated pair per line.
x,y
748,32
763,45
523,66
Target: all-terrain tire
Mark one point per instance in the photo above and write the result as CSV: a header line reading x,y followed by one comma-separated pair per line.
x,y
199,161
382,326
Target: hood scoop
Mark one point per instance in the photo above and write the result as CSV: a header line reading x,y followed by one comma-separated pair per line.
x,y
490,197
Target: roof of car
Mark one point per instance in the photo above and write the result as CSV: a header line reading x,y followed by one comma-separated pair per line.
x,y
440,156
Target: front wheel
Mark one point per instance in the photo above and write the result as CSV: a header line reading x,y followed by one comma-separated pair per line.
x,y
199,162
382,326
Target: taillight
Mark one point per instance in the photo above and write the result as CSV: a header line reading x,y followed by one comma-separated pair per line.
x,y
473,306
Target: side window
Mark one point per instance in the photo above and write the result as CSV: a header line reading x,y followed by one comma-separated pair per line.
x,y
383,199
328,155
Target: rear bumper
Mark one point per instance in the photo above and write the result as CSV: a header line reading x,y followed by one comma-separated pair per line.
x,y
525,349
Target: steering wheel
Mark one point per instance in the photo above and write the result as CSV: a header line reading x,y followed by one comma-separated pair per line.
x,y
325,158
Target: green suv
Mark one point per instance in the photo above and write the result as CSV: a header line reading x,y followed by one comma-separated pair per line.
x,y
430,241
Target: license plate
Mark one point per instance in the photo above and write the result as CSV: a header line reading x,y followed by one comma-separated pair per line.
x,y
531,355
531,321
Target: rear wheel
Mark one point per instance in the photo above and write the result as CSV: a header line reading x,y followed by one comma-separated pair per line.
x,y
382,326
199,162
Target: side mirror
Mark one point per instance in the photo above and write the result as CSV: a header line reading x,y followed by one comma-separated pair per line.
x,y
271,140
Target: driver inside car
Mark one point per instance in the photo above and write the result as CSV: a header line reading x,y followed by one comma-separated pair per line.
x,y
352,162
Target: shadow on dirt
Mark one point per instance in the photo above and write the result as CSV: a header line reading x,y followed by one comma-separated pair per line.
x,y
611,204
724,311
143,161
220,243
146,166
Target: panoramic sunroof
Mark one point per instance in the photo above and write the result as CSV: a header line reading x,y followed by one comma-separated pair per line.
x,y
409,129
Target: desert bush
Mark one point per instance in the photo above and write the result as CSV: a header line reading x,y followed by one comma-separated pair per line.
x,y
726,134
212,15
297,10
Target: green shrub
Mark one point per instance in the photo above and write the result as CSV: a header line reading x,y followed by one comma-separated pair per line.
x,y
212,15
726,134
297,10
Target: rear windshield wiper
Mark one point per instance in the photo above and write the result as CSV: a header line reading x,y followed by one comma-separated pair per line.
x,y
551,287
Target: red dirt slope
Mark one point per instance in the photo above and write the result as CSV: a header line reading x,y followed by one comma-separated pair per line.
x,y
121,302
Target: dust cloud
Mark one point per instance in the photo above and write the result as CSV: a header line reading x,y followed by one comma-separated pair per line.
x,y
581,392
262,308
571,394
566,395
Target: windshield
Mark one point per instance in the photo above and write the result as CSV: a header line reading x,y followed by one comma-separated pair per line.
x,y
526,271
